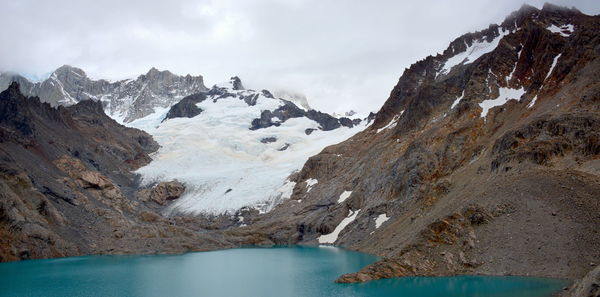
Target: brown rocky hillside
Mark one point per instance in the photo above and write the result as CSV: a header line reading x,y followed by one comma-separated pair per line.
x,y
66,186
491,166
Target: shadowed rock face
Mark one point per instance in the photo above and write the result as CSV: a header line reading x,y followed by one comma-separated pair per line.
x,y
66,186
186,108
290,110
513,192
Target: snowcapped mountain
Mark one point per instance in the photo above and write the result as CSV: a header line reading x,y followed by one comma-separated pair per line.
x,y
233,147
124,100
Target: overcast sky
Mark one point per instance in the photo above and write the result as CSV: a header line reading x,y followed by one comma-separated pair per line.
x,y
341,54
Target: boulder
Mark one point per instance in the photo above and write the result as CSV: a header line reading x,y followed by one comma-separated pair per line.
x,y
588,286
166,191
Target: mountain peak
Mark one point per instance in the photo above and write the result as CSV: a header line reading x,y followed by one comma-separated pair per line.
x,y
69,70
155,72
549,7
525,9
13,86
13,89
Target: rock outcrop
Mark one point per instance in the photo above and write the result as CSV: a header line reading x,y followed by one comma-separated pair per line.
x,y
166,191
186,108
588,286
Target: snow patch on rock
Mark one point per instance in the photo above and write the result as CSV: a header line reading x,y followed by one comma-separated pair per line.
x,y
344,196
286,190
473,52
553,65
458,100
509,77
532,102
310,183
382,218
564,30
505,95
333,236
392,122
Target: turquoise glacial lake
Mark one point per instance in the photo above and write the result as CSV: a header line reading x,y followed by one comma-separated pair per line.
x,y
248,272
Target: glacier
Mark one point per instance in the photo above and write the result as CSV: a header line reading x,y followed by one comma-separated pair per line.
x,y
224,165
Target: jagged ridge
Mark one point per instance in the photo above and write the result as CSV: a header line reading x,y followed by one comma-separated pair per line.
x,y
125,100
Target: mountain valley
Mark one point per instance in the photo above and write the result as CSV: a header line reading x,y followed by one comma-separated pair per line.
x,y
484,160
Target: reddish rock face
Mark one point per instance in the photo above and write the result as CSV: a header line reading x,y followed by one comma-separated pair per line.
x,y
86,178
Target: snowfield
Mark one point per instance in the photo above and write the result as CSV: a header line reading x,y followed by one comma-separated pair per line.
x,y
223,164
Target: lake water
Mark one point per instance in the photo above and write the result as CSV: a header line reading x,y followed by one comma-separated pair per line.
x,y
264,272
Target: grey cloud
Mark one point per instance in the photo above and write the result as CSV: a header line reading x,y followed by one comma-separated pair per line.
x,y
341,54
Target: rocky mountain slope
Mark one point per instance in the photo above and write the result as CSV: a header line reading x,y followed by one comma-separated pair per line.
x,y
484,160
124,100
67,187
233,148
